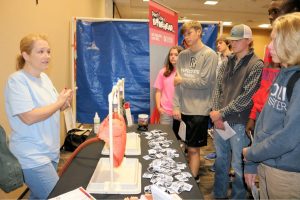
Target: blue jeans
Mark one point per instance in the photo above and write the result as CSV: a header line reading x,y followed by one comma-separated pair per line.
x,y
230,151
41,180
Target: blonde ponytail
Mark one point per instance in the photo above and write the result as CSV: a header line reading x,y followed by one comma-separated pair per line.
x,y
20,62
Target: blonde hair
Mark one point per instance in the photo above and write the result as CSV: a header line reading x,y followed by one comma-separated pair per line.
x,y
191,24
26,45
287,38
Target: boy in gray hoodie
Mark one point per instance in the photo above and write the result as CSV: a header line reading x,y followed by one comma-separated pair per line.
x,y
195,80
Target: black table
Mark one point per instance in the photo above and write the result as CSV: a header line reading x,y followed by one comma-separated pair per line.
x,y
83,165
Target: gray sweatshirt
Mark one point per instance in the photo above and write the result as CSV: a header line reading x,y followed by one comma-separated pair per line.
x,y
277,138
198,71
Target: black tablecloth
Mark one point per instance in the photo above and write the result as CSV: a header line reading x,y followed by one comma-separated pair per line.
x,y
82,168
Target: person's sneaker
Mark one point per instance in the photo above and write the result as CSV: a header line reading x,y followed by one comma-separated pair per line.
x,y
197,179
212,168
211,156
211,133
231,172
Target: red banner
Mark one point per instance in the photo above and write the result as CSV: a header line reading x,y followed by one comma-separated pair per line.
x,y
163,31
163,25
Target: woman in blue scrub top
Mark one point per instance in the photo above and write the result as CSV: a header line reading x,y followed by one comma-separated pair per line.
x,y
33,108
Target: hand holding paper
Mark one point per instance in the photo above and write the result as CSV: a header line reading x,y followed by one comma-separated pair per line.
x,y
219,124
227,133
182,130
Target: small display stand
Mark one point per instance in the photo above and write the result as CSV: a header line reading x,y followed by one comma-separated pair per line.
x,y
125,179
133,145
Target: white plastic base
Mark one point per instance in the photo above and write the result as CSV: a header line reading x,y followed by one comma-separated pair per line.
x,y
127,178
133,145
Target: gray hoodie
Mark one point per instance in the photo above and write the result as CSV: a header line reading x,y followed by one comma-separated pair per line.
x,y
198,71
277,131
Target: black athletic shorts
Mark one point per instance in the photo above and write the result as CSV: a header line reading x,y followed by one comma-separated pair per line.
x,y
176,125
196,130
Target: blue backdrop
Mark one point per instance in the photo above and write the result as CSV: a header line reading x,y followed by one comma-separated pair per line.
x,y
110,50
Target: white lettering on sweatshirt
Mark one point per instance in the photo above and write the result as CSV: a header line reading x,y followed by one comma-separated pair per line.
x,y
277,98
190,71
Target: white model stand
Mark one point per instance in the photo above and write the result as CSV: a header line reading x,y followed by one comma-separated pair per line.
x,y
126,179
133,145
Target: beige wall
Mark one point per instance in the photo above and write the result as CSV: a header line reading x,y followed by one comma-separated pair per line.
x,y
20,17
261,38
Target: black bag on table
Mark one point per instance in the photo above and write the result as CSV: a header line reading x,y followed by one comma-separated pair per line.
x,y
11,174
73,139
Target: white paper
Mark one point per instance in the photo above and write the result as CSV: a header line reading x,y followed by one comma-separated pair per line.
x,y
254,192
227,133
158,194
128,117
78,194
69,119
182,131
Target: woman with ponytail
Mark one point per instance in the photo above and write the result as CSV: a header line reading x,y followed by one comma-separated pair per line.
x,y
33,109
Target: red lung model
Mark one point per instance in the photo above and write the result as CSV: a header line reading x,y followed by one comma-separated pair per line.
x,y
119,136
